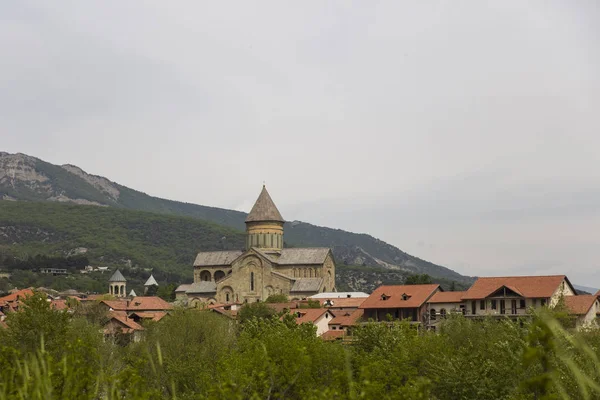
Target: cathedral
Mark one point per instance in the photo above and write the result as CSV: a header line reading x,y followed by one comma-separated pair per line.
x,y
263,268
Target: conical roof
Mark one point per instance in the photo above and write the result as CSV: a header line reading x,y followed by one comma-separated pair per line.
x,y
151,281
117,277
132,293
264,209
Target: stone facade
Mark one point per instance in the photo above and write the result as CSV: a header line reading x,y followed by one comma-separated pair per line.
x,y
263,268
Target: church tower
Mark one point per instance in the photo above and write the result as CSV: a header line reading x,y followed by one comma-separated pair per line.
x,y
264,224
117,285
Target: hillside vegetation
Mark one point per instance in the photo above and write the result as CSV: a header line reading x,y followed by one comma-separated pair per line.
x,y
24,177
138,242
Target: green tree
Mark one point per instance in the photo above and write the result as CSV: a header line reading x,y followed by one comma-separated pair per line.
x,y
277,298
418,279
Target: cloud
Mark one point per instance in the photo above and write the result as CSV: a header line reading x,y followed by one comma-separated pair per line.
x,y
471,126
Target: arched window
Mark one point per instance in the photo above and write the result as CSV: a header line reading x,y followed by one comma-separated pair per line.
x,y
227,297
310,272
305,273
432,315
252,281
443,313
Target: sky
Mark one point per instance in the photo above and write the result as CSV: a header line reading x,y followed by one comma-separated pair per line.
x,y
465,133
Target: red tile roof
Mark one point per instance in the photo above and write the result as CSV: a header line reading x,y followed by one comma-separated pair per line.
x,y
309,314
344,319
128,322
154,316
20,294
391,296
526,286
446,297
117,305
59,304
148,303
333,335
580,305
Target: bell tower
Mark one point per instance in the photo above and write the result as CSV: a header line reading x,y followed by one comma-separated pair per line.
x,y
264,224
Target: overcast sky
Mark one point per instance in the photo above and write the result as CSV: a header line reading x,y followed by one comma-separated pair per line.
x,y
466,133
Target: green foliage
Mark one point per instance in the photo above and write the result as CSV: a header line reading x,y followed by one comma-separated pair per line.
x,y
47,232
277,298
196,354
255,310
418,279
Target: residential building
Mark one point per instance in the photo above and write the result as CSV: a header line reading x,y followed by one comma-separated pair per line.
x,y
443,303
585,308
513,296
316,316
399,302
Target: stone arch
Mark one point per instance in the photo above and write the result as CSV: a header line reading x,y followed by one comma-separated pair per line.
x,y
227,294
219,275
311,272
205,276
295,272
269,289
212,301
305,273
195,302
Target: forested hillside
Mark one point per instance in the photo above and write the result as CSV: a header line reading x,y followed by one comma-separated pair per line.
x,y
34,234
24,177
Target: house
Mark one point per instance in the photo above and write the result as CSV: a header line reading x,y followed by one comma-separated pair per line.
x,y
344,321
316,316
144,307
155,316
12,301
399,302
512,296
443,303
119,322
586,309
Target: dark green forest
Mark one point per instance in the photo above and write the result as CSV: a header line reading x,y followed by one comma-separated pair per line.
x,y
192,354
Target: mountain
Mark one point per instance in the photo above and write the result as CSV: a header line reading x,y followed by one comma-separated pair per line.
x,y
23,177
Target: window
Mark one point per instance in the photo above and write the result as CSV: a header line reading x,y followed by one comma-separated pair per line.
x,y
227,297
502,307
405,296
543,302
432,315
493,303
522,303
513,306
534,302
482,304
252,281
473,307
384,297
443,313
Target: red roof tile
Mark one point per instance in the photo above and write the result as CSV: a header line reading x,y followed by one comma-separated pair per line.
x,y
122,318
446,297
347,318
580,305
526,286
117,305
333,335
392,296
20,294
309,314
148,303
154,316
59,304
